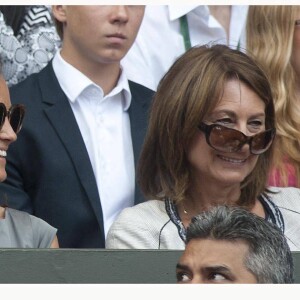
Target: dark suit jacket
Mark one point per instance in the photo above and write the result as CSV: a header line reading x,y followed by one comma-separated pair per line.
x,y
49,171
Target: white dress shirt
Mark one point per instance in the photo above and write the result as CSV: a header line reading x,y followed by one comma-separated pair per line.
x,y
105,128
159,41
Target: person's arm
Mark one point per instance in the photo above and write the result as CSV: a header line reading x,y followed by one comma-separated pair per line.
x,y
133,229
44,235
55,243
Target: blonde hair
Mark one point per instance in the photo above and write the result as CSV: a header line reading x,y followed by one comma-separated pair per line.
x,y
270,32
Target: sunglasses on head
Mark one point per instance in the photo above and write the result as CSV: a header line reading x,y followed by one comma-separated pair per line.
x,y
226,139
15,116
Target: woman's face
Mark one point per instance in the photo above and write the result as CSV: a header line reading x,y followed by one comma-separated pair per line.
x,y
7,135
242,109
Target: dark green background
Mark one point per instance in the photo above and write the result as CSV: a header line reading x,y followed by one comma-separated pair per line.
x,y
93,266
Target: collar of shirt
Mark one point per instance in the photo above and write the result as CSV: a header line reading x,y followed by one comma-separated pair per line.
x,y
177,11
67,75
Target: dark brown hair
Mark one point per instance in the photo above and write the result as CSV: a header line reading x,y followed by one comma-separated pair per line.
x,y
187,93
14,16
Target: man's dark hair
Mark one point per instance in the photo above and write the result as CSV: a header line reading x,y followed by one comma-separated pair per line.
x,y
269,257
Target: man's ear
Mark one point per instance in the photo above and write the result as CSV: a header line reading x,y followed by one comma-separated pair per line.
x,y
59,12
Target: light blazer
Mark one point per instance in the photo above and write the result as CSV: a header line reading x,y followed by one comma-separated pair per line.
x,y
49,171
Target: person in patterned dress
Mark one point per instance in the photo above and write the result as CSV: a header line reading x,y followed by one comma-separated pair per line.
x,y
28,40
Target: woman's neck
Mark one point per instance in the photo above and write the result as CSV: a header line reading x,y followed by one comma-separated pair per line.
x,y
204,197
186,215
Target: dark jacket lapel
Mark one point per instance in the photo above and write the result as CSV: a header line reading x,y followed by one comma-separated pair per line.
x,y
60,115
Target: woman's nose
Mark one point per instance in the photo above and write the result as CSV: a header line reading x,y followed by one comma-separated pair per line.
x,y
7,133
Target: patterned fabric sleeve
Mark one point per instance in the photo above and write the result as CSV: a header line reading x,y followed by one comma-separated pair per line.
x,y
33,47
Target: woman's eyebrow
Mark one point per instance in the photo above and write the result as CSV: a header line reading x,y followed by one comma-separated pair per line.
x,y
232,114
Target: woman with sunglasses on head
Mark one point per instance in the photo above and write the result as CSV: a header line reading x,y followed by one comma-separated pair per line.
x,y
209,143
18,229
273,38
